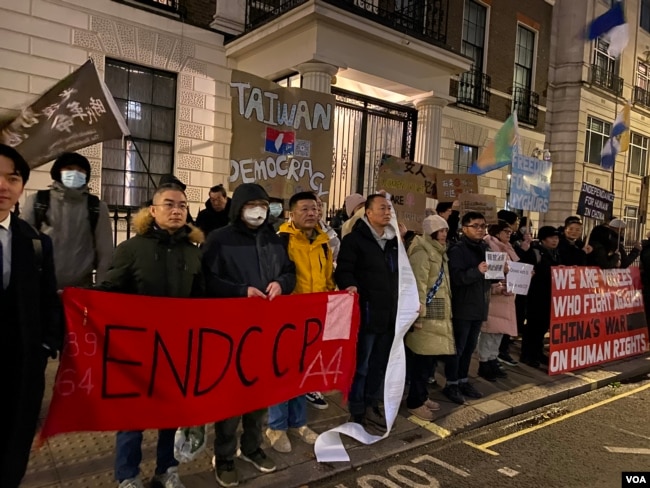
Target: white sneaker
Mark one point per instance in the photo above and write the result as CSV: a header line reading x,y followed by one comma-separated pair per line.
x,y
306,434
169,479
131,483
279,440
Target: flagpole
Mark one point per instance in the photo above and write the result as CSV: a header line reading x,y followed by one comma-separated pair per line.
x,y
613,179
144,163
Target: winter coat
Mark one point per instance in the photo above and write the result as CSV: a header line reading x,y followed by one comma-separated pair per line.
x,y
470,291
334,241
374,271
209,219
157,263
349,224
434,336
236,257
645,264
539,293
604,245
571,252
32,318
77,250
313,259
502,317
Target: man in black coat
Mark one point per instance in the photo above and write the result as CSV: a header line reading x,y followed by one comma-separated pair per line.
x,y
32,320
245,259
367,264
470,300
216,212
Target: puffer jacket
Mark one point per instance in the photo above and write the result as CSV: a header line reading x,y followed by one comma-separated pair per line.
x,y
236,257
157,263
470,291
431,336
313,259
502,316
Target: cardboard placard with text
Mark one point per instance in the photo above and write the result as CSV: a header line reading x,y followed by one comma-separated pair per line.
x,y
450,186
486,204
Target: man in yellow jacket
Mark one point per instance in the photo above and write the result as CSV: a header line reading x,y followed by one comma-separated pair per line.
x,y
309,249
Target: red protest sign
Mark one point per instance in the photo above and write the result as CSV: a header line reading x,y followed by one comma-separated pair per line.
x,y
597,316
134,362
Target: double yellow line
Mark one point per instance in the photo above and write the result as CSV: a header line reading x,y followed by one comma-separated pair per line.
x,y
485,447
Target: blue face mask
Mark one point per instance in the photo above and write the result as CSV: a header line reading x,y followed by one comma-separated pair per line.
x,y
71,178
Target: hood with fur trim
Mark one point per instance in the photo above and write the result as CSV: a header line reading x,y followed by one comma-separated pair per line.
x,y
142,223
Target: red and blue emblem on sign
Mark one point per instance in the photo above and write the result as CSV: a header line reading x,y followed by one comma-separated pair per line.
x,y
279,142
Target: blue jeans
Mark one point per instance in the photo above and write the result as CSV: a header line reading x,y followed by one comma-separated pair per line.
x,y
288,414
367,388
128,453
466,334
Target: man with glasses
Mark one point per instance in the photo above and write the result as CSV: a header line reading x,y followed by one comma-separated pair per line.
x,y
470,300
245,259
161,260
215,214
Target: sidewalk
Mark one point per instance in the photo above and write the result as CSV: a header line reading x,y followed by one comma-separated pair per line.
x,y
85,460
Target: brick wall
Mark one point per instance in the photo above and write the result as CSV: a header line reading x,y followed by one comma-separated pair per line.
x,y
199,12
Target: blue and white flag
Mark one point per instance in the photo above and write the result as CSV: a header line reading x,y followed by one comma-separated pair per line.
x,y
612,27
619,139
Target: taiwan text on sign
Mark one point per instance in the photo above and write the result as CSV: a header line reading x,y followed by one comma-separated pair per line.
x,y
282,138
597,316
134,362
77,112
595,202
530,184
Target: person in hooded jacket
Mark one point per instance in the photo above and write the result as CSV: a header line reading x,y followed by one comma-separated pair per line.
x,y
161,260
245,259
604,248
216,212
78,250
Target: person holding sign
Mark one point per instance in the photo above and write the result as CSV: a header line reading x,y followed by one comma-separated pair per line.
x,y
32,320
245,259
162,260
432,334
470,294
502,315
571,247
538,319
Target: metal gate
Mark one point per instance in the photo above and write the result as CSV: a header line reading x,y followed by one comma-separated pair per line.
x,y
365,129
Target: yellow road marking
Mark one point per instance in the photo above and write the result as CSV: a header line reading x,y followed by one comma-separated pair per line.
x,y
481,448
514,435
430,426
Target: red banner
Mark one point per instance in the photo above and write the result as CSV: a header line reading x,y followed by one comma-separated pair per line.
x,y
597,316
134,362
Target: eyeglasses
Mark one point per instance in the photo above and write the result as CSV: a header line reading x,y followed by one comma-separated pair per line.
x,y
477,226
182,206
507,231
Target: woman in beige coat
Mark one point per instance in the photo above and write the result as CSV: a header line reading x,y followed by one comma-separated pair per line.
x,y
502,316
432,333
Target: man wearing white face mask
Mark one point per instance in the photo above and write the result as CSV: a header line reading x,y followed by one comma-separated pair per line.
x,y
77,222
245,259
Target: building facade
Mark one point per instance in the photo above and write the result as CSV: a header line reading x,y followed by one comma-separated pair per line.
x,y
428,80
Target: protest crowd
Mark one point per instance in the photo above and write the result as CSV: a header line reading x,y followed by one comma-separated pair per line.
x,y
243,246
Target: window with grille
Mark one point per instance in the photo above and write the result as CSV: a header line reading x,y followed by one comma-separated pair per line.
x,y
597,135
464,157
473,44
602,60
643,75
524,58
637,160
147,99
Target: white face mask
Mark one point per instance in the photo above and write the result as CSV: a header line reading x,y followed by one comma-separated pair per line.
x,y
275,209
71,178
255,216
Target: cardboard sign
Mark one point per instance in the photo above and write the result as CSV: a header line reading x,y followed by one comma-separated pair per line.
x,y
451,186
594,202
136,362
282,138
486,204
597,316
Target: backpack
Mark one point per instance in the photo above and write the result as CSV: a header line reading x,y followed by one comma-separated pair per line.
x,y
42,204
285,240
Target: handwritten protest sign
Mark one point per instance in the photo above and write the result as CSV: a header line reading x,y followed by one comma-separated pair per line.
x,y
496,262
77,112
136,362
530,184
282,138
409,185
451,186
485,204
594,202
518,278
597,316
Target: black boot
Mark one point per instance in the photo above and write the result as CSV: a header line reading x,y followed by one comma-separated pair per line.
x,y
486,371
498,370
